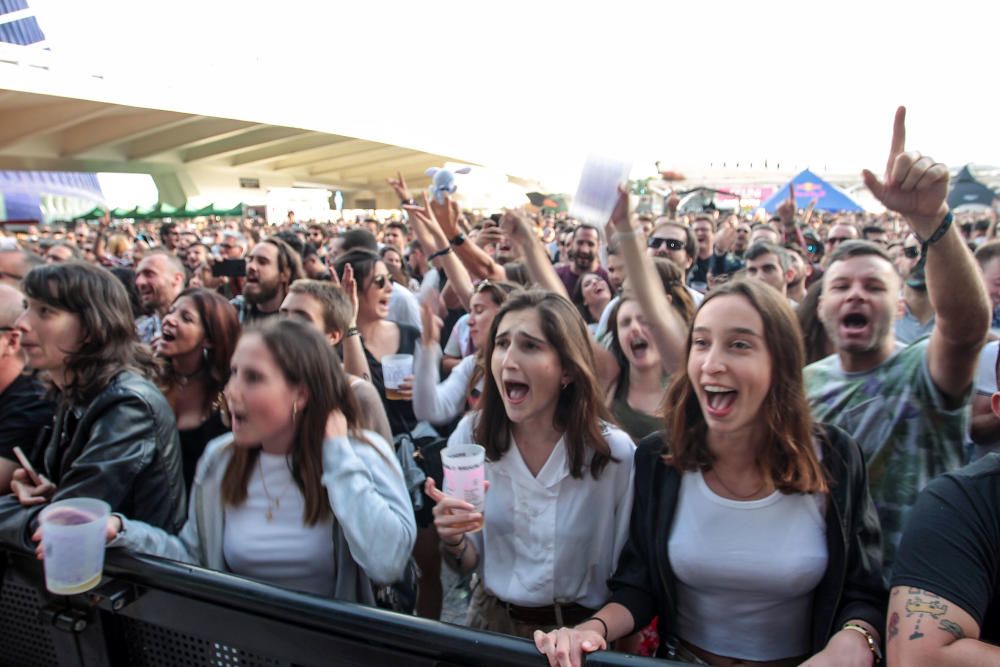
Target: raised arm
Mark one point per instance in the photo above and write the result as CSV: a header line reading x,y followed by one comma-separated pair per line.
x,y
355,361
481,266
917,188
536,260
434,240
666,325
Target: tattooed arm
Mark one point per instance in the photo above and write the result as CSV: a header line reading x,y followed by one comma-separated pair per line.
x,y
925,629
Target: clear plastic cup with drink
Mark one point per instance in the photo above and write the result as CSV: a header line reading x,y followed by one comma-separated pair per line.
x,y
395,367
464,476
73,538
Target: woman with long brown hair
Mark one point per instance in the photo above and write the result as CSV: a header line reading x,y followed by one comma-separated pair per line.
x,y
753,534
297,495
557,511
199,334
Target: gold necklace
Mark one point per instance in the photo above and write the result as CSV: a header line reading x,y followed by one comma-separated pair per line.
x,y
273,504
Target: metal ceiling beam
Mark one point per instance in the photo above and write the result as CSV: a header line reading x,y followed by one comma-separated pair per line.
x,y
389,168
360,158
28,122
117,129
286,149
259,138
177,138
342,148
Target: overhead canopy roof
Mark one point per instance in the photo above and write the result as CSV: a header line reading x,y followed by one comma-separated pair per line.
x,y
45,132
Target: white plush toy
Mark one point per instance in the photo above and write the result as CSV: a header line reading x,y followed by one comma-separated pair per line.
x,y
443,181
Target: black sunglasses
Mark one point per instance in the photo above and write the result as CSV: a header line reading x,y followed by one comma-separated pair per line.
x,y
672,244
911,252
379,281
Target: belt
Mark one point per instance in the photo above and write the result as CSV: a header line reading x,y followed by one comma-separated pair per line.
x,y
554,614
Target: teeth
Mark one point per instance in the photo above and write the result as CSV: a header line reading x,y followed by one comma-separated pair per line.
x,y
716,389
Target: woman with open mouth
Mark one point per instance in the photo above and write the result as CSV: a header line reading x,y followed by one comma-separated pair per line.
x,y
753,537
297,495
559,472
198,337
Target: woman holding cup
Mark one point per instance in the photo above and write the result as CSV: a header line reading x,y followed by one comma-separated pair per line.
x,y
382,338
560,475
298,495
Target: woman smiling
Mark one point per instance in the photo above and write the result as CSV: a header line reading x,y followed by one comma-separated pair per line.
x,y
753,536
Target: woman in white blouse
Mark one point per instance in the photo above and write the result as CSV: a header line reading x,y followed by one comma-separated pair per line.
x,y
297,495
557,512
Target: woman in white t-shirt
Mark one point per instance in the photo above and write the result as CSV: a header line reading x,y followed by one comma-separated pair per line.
x,y
753,537
557,510
297,495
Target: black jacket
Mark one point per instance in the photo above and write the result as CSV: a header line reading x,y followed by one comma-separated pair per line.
x,y
852,588
122,447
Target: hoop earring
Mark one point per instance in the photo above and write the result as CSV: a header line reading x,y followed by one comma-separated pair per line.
x,y
295,409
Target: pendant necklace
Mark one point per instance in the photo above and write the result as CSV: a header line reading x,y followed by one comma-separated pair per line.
x,y
273,504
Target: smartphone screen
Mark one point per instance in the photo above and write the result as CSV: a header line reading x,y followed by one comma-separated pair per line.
x,y
230,268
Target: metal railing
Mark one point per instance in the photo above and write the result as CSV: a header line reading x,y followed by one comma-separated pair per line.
x,y
150,611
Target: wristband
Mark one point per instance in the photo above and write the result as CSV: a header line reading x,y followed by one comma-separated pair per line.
x,y
601,621
941,231
872,644
458,240
351,331
456,544
440,253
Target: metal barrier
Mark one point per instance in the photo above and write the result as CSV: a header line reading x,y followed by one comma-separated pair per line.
x,y
149,611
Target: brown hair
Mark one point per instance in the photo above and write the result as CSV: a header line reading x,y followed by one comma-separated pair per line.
x,y
336,306
305,359
672,278
108,344
787,458
987,252
580,410
222,329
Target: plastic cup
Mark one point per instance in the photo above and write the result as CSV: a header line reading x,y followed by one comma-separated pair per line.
x,y
395,367
465,474
73,537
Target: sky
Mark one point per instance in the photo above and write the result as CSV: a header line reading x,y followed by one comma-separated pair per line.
x,y
532,87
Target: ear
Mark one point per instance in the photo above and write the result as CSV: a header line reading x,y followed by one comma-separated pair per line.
x,y
900,308
301,395
995,403
335,337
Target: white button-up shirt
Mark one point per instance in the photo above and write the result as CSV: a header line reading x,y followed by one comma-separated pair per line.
x,y
552,538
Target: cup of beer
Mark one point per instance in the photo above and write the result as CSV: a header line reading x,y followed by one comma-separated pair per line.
x,y
395,367
73,538
464,476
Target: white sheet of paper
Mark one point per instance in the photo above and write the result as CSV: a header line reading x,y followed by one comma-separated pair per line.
x,y
597,192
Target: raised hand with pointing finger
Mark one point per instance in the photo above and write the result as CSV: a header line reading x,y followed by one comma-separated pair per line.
x,y
913,185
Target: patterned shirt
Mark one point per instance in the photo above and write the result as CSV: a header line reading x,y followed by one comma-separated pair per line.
x,y
901,421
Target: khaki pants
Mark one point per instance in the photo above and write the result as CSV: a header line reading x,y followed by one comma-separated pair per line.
x,y
486,612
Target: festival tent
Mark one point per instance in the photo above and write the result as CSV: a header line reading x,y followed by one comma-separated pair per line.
x,y
967,191
809,186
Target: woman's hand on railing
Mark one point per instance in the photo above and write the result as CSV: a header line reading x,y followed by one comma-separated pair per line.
x,y
565,647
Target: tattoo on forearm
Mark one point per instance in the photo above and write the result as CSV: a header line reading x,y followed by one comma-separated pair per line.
x,y
921,603
952,628
893,625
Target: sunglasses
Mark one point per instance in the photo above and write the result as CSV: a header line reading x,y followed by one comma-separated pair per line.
x,y
911,252
380,281
6,329
672,244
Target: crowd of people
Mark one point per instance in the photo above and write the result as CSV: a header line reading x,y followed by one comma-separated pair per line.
x,y
723,439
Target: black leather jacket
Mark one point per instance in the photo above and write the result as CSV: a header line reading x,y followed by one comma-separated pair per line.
x,y
851,588
122,447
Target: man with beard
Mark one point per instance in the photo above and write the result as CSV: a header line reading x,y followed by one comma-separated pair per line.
x,y
800,269
271,267
159,278
905,406
586,247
